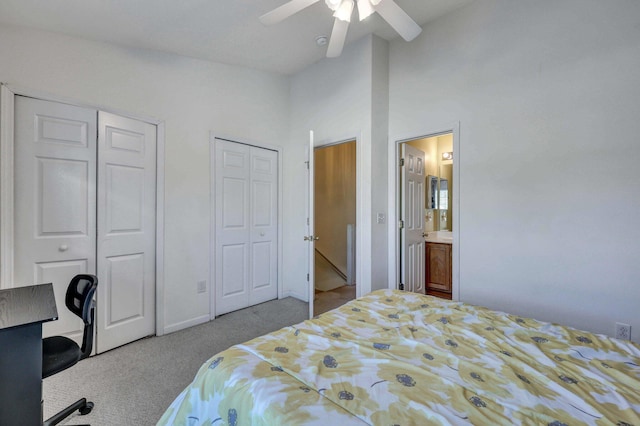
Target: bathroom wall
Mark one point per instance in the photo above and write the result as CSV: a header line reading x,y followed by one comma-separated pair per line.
x,y
433,147
445,171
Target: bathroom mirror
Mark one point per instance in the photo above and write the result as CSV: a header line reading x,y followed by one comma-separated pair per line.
x,y
432,192
443,194
443,205
445,209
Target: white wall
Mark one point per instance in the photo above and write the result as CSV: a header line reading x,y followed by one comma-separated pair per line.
x,y
332,98
378,171
548,98
192,97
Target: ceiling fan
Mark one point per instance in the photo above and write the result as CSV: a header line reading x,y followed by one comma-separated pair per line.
x,y
342,11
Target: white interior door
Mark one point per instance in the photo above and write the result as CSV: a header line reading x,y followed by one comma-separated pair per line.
x,y
246,225
412,259
55,200
80,208
126,230
310,238
263,256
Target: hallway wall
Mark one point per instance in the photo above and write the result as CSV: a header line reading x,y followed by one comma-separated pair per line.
x,y
335,200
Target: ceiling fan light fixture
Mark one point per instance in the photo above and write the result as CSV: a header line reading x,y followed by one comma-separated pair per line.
x,y
388,10
344,11
365,9
333,4
322,40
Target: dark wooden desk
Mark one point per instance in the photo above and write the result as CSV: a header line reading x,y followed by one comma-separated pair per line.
x,y
22,312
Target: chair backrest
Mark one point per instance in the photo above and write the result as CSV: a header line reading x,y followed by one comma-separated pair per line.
x,y
79,300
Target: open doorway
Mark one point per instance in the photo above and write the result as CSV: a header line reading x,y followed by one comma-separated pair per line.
x,y
432,258
335,225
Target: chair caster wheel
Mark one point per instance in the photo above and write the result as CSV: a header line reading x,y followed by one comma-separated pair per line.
x,y
86,409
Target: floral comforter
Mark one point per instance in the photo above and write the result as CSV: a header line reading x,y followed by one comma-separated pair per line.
x,y
397,358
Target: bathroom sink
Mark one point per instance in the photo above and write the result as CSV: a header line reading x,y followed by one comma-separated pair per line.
x,y
439,237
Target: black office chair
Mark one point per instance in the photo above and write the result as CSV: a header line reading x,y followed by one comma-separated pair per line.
x,y
60,353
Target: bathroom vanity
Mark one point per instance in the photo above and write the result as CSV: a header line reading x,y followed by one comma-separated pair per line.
x,y
438,264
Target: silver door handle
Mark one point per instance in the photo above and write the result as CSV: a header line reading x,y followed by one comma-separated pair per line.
x,y
311,238
63,247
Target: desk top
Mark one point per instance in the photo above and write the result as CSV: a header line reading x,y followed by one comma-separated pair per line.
x,y
27,305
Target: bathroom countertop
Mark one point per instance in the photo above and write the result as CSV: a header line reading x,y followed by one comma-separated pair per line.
x,y
442,237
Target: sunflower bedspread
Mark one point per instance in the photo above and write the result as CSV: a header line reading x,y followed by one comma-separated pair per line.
x,y
398,358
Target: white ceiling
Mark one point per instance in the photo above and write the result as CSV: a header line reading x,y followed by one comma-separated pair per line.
x,y
226,31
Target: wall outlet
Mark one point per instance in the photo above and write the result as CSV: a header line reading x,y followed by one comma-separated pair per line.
x,y
202,286
623,331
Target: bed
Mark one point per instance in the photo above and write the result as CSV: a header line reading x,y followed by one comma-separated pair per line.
x,y
399,358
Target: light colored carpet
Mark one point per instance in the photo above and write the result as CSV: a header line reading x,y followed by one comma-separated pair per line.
x,y
134,384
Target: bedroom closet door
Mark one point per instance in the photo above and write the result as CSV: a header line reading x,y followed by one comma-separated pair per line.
x,y
246,225
86,207
55,200
126,230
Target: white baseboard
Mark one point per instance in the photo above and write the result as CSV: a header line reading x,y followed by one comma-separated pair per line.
x,y
295,295
186,324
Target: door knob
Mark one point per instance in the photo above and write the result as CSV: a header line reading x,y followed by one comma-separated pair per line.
x,y
63,247
311,238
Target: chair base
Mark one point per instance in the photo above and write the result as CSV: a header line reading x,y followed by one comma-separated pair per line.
x,y
81,405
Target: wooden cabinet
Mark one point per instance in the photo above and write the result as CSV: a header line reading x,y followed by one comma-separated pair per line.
x,y
438,270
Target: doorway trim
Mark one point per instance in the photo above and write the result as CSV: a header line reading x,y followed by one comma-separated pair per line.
x,y
7,124
394,199
358,240
363,239
212,212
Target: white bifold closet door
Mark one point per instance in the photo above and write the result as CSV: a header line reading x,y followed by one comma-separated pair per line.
x,y
126,230
246,225
55,200
85,203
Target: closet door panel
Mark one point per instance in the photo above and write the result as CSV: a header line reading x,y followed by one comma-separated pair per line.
x,y
246,225
67,324
264,225
232,226
126,230
55,200
125,275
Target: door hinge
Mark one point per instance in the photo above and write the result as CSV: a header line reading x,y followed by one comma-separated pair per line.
x,y
400,286
401,162
401,224
307,277
307,221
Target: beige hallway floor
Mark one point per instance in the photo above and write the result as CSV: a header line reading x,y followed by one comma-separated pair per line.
x,y
326,300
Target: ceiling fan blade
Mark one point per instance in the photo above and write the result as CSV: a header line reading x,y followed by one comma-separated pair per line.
x,y
398,19
338,36
283,12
